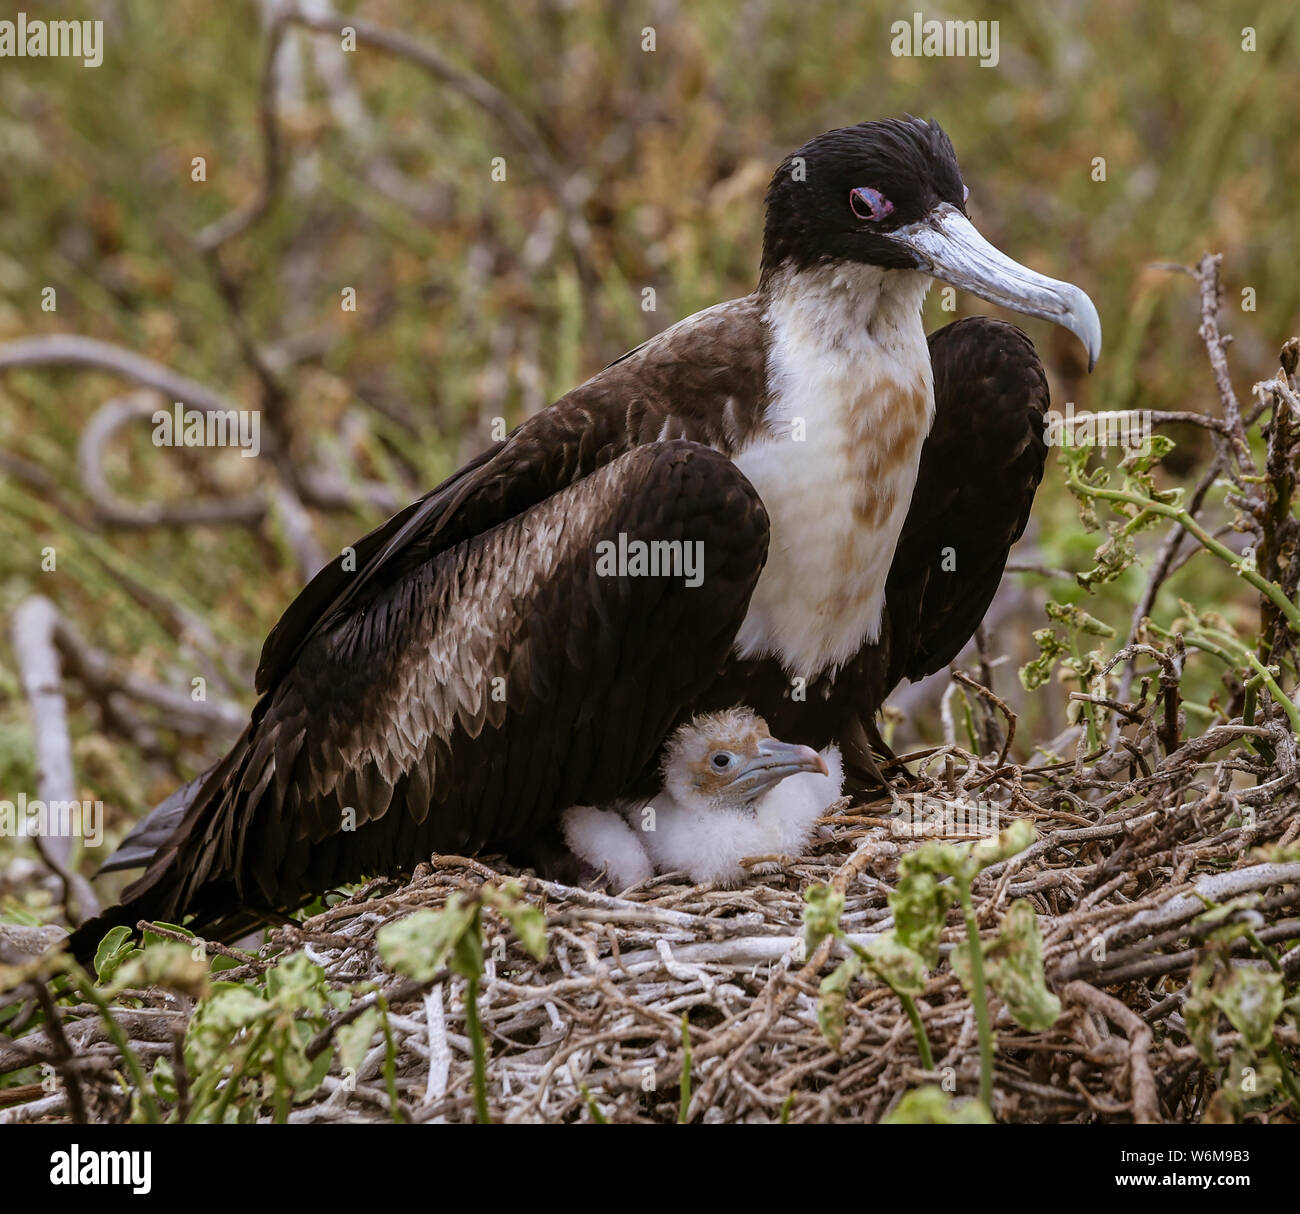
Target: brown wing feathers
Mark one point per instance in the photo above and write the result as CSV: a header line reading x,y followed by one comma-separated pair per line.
x,y
390,710
980,468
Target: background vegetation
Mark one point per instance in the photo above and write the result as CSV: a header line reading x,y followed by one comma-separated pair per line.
x,y
479,298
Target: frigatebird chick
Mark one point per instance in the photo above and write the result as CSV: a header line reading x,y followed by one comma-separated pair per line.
x,y
730,790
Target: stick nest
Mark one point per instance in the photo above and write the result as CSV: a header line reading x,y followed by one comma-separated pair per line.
x,y
1131,850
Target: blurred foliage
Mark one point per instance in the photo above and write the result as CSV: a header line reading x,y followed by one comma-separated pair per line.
x,y
469,305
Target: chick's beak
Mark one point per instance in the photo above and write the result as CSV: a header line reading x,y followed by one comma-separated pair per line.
x,y
774,762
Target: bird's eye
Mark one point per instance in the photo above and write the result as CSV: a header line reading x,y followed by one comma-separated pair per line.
x,y
869,204
721,760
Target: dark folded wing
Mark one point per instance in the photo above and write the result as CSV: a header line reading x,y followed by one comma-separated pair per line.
x,y
980,468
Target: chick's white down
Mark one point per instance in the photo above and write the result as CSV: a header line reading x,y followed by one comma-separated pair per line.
x,y
704,822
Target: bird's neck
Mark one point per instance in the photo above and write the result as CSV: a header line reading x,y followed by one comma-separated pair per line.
x,y
851,399
847,346
846,307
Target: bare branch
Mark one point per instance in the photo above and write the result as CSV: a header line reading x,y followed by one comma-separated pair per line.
x,y
522,132
111,510
32,635
1207,276
1142,1084
96,669
72,350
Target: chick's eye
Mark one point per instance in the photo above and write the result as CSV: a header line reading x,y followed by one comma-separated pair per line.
x,y
869,204
721,760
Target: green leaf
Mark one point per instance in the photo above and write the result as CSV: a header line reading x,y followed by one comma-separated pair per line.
x,y
941,859
1050,647
154,938
526,921
1250,1080
113,949
1018,836
354,1039
823,905
1014,968
304,1074
297,983
1200,1015
163,1079
1074,457
1252,1001
228,1008
931,1105
420,944
592,1107
1077,620
168,964
1116,554
467,955
831,999
920,905
1151,452
902,969
1219,911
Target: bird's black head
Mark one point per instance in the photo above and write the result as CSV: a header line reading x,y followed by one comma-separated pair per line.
x,y
837,198
890,194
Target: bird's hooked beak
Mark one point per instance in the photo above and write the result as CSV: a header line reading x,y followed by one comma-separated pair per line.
x,y
949,247
774,762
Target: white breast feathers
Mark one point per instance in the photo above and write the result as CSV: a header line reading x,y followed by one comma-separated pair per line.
x,y
706,841
852,399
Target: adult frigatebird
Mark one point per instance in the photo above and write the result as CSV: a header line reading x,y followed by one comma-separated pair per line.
x,y
475,667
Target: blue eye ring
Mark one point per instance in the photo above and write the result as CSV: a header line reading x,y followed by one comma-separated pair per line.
x,y
869,204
